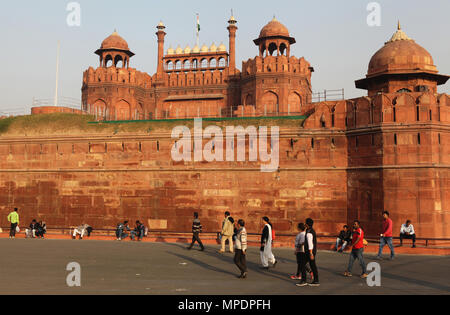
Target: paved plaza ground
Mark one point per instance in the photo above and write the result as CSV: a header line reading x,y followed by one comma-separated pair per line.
x,y
32,266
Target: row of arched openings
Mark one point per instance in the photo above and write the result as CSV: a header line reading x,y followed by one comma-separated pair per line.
x,y
195,64
118,61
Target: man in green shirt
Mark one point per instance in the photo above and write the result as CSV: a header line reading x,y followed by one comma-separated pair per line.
x,y
13,217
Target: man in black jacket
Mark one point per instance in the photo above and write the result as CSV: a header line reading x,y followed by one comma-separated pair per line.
x,y
34,227
344,238
196,230
310,251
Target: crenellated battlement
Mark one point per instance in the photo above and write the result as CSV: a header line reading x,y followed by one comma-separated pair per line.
x,y
276,64
115,75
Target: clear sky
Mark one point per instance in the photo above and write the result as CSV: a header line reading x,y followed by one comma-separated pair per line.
x,y
332,35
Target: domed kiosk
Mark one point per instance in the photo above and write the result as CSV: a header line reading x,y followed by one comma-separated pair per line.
x,y
274,37
114,48
401,65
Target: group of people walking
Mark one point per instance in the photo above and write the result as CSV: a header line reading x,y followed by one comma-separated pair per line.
x,y
305,245
236,235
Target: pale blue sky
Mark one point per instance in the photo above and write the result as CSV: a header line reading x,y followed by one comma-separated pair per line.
x,y
332,35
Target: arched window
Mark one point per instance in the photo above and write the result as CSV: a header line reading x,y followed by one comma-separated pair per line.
x,y
204,63
170,65
272,48
222,63
118,61
178,65
283,49
404,90
213,63
108,61
194,64
187,64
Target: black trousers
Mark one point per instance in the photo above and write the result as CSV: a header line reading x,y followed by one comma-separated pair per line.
x,y
196,238
312,264
408,237
12,232
240,260
302,267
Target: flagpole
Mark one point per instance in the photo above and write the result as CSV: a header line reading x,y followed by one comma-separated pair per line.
x,y
57,74
198,30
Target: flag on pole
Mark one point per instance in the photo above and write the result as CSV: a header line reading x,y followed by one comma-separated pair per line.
x,y
198,23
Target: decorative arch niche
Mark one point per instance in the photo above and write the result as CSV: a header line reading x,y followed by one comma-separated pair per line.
x,y
270,102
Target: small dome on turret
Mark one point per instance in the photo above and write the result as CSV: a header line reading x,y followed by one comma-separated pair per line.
x,y
222,47
114,41
179,50
204,49
196,49
213,48
187,49
401,54
274,28
170,51
232,20
161,26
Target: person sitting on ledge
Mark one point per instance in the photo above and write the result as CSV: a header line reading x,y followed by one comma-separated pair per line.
x,y
32,230
121,230
407,232
138,231
82,230
42,229
344,238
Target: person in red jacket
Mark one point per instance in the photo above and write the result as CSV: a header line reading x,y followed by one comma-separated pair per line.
x,y
357,250
386,236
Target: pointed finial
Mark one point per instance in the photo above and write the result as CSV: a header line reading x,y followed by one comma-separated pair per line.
x,y
398,35
161,25
274,18
232,20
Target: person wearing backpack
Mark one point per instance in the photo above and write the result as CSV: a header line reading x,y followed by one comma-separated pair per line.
x,y
266,245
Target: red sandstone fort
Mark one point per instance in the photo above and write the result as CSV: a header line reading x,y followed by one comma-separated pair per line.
x,y
347,159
